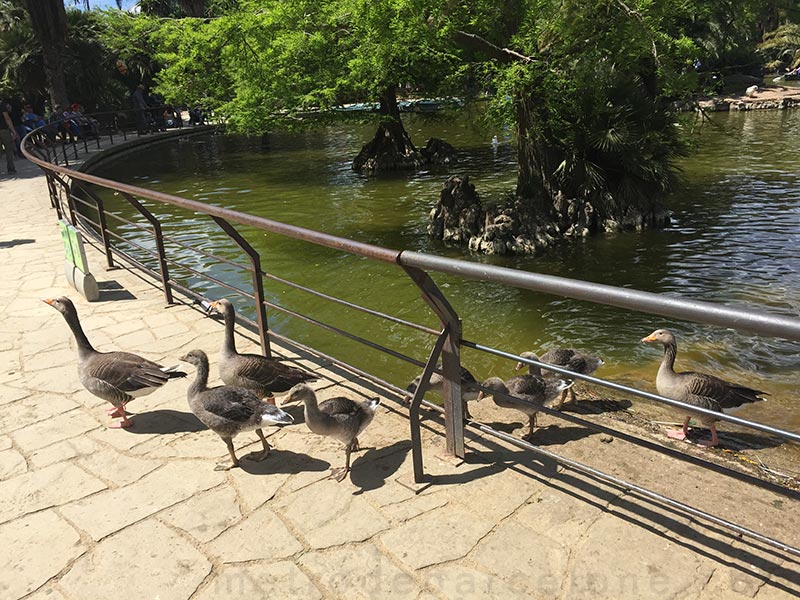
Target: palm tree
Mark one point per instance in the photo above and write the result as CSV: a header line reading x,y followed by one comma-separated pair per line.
x,y
49,24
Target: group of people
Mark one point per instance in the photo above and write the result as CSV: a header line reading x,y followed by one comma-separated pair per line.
x,y
153,113
73,124
16,121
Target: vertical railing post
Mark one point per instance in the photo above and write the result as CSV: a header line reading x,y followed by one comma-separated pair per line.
x,y
258,284
416,401
162,256
101,218
451,366
53,191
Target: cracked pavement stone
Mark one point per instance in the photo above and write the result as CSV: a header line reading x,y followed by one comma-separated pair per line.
x,y
360,572
34,549
147,561
437,536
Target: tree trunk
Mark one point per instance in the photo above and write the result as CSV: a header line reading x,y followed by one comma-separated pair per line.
x,y
533,188
391,148
194,8
49,23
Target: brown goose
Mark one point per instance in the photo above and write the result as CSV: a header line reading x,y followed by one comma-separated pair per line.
x,y
569,359
228,411
468,389
340,418
259,374
117,377
698,389
536,390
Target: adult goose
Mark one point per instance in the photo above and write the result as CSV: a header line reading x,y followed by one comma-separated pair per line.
x,y
228,411
117,377
697,389
469,391
530,393
567,358
340,418
263,376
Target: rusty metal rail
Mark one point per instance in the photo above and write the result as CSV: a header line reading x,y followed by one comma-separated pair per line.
x,y
71,189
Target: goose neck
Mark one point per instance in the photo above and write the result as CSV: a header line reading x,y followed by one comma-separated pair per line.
x,y
668,362
229,345
200,382
84,347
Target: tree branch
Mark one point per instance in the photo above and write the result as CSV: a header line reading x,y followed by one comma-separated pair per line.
x,y
476,42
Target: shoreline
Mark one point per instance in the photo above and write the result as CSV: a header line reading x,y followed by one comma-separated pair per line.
x,y
769,96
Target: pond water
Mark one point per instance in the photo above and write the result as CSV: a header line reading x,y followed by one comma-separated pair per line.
x,y
734,240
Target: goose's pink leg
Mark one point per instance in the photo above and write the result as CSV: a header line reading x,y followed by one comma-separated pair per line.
x,y
124,423
679,434
713,441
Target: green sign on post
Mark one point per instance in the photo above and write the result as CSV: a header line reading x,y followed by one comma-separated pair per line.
x,y
73,246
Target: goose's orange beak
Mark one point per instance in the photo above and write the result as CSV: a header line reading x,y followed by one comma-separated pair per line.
x,y
649,338
48,301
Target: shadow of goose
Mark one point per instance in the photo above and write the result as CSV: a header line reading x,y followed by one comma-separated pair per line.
x,y
165,421
555,434
371,470
282,461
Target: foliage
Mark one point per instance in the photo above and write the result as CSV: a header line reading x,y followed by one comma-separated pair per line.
x,y
781,48
269,60
592,105
88,65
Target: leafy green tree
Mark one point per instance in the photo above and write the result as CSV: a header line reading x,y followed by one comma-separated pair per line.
x,y
267,61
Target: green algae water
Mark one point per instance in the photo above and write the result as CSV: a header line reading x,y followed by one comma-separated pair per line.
x,y
734,240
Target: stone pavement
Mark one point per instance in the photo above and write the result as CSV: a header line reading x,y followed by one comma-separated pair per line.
x,y
92,512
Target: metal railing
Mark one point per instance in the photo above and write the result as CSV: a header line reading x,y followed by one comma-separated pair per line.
x,y
64,139
75,199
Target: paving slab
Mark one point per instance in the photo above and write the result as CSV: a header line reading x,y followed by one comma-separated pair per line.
x,y
455,581
34,549
280,580
204,516
527,562
117,468
112,510
12,463
51,486
342,518
65,450
359,571
148,561
441,535
259,536
33,409
10,394
44,433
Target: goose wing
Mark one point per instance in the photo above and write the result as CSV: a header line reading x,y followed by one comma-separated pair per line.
x,y
125,371
340,407
558,356
526,385
275,375
230,403
723,393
